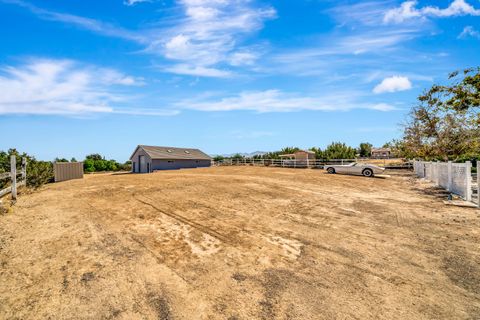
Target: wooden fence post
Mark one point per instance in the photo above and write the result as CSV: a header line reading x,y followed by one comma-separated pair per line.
x,y
478,184
13,173
24,170
468,182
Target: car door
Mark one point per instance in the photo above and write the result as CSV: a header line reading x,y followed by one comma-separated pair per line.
x,y
358,168
341,169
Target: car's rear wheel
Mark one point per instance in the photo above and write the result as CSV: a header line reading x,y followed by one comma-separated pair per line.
x,y
368,173
331,170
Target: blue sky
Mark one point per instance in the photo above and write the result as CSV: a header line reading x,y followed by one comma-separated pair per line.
x,y
78,77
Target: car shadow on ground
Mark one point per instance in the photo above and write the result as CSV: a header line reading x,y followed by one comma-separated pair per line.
x,y
380,176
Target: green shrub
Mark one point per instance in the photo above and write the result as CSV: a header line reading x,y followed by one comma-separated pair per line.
x,y
111,165
88,165
38,172
99,165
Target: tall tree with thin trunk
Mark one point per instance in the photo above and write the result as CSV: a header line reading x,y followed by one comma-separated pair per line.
x,y
445,124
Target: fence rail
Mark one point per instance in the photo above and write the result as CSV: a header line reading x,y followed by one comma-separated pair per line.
x,y
456,178
304,163
13,177
4,175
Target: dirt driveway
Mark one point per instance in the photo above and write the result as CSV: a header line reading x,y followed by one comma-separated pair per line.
x,y
238,243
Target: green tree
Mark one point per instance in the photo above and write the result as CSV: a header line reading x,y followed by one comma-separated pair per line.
x,y
289,150
38,172
73,160
111,165
60,160
339,150
365,149
100,165
218,158
445,123
89,165
319,153
94,156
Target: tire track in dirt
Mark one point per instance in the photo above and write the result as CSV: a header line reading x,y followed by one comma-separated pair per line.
x,y
287,247
189,222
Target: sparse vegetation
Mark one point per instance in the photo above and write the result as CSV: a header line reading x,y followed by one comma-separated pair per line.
x,y
97,163
445,124
38,172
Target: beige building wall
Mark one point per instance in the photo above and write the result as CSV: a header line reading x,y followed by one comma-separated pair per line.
x,y
301,155
67,171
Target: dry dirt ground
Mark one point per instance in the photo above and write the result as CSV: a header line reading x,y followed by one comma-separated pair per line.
x,y
239,243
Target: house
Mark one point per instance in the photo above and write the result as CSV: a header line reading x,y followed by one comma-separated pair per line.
x,y
300,155
381,153
149,158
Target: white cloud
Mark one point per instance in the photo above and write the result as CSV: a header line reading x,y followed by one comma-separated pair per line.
x,y
209,33
63,87
206,34
393,84
408,10
111,77
134,2
334,58
242,58
383,107
199,71
100,27
278,101
469,31
368,13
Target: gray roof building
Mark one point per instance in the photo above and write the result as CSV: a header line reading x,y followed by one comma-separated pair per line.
x,y
150,158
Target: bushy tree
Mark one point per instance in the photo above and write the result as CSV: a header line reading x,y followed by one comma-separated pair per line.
x,y
218,158
445,124
365,149
319,154
111,165
94,157
38,172
89,165
100,165
289,150
339,150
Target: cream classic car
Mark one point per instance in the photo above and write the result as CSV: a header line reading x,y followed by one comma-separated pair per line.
x,y
355,168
